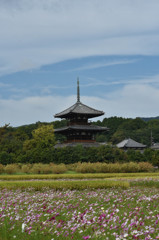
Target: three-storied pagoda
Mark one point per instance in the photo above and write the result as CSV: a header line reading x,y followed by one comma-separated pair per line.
x,y
78,129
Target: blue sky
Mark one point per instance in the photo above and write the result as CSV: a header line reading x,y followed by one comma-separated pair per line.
x,y
111,45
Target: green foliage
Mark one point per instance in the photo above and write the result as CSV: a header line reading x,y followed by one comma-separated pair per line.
x,y
145,167
58,169
1,168
133,128
39,168
155,158
146,183
140,175
112,123
26,168
84,167
43,137
11,169
34,143
72,185
131,167
135,156
6,158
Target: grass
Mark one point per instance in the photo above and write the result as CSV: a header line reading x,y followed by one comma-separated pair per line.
x,y
78,176
145,183
78,185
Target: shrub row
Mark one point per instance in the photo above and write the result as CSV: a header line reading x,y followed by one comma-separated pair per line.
x,y
131,167
70,155
39,168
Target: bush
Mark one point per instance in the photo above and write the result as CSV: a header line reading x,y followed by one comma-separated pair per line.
x,y
98,167
114,168
11,169
57,169
26,168
145,167
37,168
130,167
85,167
1,168
46,168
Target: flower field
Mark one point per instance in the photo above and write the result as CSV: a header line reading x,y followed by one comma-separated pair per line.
x,y
104,214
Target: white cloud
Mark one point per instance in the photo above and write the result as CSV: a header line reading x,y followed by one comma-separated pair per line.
x,y
103,64
151,80
32,109
132,101
38,32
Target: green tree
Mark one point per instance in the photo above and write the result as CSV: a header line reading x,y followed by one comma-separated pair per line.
x,y
6,158
43,137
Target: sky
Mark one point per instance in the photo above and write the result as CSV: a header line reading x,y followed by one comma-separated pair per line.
x,y
45,45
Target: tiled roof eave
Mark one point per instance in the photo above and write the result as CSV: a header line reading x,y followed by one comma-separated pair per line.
x,y
82,114
79,108
82,127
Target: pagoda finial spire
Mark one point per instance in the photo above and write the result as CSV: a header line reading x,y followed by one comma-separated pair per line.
x,y
78,91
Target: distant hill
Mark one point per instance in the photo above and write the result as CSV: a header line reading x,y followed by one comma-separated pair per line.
x,y
146,119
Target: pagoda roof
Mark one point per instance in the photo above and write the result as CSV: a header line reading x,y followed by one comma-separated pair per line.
x,y
81,127
74,144
79,108
130,143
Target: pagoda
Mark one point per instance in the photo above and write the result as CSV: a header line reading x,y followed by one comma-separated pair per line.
x,y
79,129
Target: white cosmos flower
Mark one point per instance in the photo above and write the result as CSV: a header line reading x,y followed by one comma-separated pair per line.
x,y
23,226
125,235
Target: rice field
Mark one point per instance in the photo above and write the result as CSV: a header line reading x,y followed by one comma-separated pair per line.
x,y
79,176
61,185
111,212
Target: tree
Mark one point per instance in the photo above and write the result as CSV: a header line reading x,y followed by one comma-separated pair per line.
x,y
6,158
43,137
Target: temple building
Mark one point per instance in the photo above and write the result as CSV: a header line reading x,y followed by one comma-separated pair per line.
x,y
79,130
155,146
129,143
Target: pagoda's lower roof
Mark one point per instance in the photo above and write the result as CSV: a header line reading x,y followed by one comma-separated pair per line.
x,y
93,128
74,144
80,109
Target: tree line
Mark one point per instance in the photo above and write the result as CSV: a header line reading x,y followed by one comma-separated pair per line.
x,y
35,143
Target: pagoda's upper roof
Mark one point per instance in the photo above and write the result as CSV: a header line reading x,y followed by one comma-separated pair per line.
x,y
79,108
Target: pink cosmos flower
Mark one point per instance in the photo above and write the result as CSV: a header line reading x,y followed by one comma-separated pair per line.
x,y
85,237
